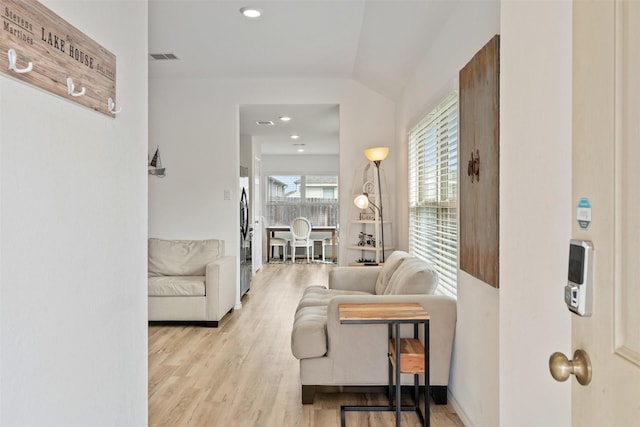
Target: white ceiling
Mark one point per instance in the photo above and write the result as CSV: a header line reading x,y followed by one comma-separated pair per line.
x,y
317,126
375,42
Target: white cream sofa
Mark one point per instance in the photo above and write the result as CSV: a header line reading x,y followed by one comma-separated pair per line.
x,y
338,357
190,281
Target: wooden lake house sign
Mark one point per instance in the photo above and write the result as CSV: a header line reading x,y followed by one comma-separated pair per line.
x,y
42,49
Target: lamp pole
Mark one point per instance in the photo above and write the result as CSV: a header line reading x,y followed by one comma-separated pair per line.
x,y
377,163
377,155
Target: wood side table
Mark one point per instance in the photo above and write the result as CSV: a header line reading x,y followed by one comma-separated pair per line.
x,y
406,356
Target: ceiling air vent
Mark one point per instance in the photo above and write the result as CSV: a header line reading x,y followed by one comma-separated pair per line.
x,y
159,56
265,123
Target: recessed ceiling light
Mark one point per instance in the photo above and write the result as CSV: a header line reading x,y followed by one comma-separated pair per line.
x,y
295,136
285,118
300,150
251,12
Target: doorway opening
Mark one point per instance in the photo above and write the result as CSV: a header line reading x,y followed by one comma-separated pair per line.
x,y
292,154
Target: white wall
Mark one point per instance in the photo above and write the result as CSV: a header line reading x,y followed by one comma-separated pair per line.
x,y
475,371
304,165
196,124
504,337
535,209
246,151
73,329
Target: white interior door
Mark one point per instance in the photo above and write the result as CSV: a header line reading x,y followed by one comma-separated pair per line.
x,y
606,171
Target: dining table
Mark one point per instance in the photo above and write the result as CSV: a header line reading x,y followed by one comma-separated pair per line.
x,y
273,229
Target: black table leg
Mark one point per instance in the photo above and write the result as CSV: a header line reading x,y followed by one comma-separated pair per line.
x,y
398,383
390,365
427,413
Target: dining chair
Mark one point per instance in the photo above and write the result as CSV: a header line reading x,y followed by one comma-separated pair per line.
x,y
300,231
328,242
276,242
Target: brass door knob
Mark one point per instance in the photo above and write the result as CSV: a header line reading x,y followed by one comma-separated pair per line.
x,y
561,367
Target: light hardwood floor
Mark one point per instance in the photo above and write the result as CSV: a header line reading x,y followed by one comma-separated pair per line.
x,y
243,373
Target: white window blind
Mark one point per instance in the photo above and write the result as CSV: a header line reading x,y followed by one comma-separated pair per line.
x,y
433,192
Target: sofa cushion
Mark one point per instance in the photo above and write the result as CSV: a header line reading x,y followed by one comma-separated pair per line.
x,y
320,296
309,334
182,257
170,286
413,277
389,267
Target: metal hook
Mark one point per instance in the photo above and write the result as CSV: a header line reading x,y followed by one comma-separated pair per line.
x,y
71,88
13,59
111,106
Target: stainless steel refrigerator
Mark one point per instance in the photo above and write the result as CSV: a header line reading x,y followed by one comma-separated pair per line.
x,y
245,238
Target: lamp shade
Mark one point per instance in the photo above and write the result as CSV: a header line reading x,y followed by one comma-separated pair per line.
x,y
376,153
361,201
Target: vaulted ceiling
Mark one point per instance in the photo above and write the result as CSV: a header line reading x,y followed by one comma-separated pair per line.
x,y
375,42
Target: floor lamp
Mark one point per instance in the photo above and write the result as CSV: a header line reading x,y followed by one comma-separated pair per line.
x,y
377,155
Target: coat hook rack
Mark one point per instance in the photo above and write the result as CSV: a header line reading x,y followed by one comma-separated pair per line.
x,y
473,167
13,60
71,88
111,106
41,50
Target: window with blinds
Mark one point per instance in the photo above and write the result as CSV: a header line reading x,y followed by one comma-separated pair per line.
x,y
433,192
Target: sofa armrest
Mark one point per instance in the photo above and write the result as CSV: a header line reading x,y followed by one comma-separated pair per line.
x,y
220,286
359,350
354,278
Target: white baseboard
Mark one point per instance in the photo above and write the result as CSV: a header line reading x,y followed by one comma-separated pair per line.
x,y
456,407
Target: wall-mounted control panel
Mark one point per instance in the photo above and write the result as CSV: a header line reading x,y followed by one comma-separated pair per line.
x,y
578,293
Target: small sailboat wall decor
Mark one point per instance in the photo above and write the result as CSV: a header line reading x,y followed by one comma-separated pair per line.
x,y
155,167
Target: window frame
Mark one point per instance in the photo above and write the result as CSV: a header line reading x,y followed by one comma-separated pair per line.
x,y
303,205
433,166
